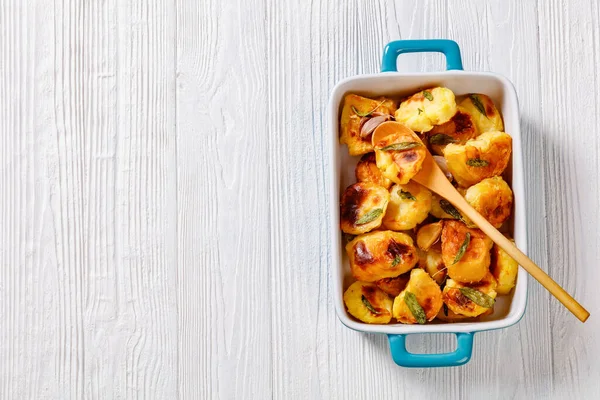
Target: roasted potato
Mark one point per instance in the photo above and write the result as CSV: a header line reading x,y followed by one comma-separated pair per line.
x,y
421,111
504,269
409,205
434,264
367,171
479,158
483,111
467,260
492,198
362,207
399,152
429,234
367,303
350,123
393,286
381,254
459,303
459,129
447,315
427,292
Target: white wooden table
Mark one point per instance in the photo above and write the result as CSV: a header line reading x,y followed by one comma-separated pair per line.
x,y
163,197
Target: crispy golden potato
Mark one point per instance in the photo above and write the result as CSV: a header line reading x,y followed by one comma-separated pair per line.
x,y
427,292
460,304
393,286
367,171
399,165
367,303
421,111
475,260
350,122
447,315
480,158
381,254
429,234
459,129
504,269
483,111
362,207
434,264
409,205
492,198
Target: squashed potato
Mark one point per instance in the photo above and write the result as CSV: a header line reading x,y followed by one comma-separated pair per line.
x,y
362,207
504,269
429,107
474,262
393,286
398,151
381,254
350,122
367,303
492,198
447,315
459,129
479,158
409,205
483,111
460,304
367,171
427,292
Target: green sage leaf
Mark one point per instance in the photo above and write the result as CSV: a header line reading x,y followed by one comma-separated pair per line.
x,y
367,113
441,139
406,195
420,111
401,146
450,209
369,305
463,248
477,162
370,216
477,297
427,94
396,261
415,308
478,104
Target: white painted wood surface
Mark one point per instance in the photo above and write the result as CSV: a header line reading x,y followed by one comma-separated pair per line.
x,y
163,188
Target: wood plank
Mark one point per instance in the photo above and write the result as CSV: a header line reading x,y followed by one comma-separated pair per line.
x,y
224,277
88,200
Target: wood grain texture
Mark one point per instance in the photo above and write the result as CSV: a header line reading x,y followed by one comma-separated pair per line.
x,y
88,246
163,197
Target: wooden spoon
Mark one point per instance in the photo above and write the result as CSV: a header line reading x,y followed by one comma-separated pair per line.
x,y
432,177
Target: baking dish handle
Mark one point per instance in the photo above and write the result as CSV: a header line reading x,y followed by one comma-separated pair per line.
x,y
448,47
460,356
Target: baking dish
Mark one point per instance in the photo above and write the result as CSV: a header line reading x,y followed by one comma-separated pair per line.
x,y
508,309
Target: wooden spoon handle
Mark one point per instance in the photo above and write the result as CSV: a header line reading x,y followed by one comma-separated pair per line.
x,y
554,288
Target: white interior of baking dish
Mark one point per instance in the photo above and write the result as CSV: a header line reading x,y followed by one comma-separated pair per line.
x,y
508,309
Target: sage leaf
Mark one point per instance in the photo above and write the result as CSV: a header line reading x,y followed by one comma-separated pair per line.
x,y
462,249
441,139
369,305
415,308
401,146
477,297
445,309
406,195
370,216
367,113
420,111
478,104
396,261
427,94
477,162
450,209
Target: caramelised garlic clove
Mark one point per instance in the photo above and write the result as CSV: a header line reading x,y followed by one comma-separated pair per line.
x,y
369,126
429,234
